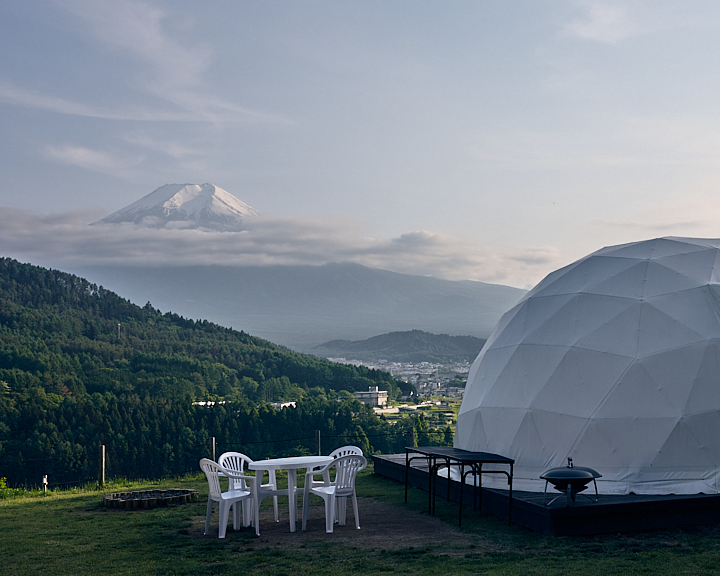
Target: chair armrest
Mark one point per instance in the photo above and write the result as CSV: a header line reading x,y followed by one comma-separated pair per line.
x,y
323,471
251,479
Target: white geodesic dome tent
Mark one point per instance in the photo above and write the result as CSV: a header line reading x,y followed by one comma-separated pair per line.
x,y
613,361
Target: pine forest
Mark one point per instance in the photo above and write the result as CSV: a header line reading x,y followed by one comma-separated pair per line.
x,y
81,367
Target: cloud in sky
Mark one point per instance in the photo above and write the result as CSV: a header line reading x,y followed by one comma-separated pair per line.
x,y
173,69
523,135
604,22
138,28
90,159
58,240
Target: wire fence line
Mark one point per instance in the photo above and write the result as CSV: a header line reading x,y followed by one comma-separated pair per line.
x,y
113,464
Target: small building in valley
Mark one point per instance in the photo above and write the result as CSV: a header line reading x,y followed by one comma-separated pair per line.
x,y
373,396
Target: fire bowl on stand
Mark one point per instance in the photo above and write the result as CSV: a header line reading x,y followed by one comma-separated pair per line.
x,y
570,480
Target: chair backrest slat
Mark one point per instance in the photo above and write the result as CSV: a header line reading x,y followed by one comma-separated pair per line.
x,y
347,468
211,470
346,451
235,462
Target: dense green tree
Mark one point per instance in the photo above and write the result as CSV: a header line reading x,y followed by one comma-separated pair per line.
x,y
81,366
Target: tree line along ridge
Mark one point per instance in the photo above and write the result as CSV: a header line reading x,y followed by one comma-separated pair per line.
x,y
80,366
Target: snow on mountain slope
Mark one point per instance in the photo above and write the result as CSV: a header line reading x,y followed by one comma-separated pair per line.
x,y
185,206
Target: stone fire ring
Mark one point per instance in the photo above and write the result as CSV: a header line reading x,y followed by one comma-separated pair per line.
x,y
146,499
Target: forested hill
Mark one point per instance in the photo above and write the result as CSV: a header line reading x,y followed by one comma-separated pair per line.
x,y
81,366
410,346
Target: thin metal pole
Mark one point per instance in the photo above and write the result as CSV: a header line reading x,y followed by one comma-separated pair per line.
x,y
317,438
213,449
101,466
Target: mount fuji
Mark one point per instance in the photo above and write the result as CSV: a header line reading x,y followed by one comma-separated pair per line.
x,y
186,206
298,306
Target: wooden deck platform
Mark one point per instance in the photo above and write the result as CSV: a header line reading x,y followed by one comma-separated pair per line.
x,y
612,513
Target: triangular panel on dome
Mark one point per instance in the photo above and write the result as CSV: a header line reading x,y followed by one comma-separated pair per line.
x,y
674,373
472,432
661,279
555,325
523,376
485,372
698,265
704,428
549,280
580,314
698,309
581,381
715,275
637,395
675,245
528,318
553,431
597,446
509,328
586,273
527,443
714,300
618,334
684,449
705,390
501,425
615,444
635,250
629,283
660,331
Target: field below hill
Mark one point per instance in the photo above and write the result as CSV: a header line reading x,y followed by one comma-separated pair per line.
x,y
72,534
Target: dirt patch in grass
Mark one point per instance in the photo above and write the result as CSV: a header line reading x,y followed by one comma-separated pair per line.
x,y
383,526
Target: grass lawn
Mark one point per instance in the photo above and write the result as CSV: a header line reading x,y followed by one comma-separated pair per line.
x,y
72,534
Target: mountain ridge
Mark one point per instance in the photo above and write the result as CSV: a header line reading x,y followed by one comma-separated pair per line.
x,y
410,346
303,306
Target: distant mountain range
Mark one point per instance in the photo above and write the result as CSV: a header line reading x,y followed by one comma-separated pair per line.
x,y
186,206
302,307
414,346
297,306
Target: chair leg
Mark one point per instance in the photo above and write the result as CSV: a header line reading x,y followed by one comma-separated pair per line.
x,y
330,513
306,498
247,510
355,510
341,510
236,515
256,513
223,521
208,515
273,482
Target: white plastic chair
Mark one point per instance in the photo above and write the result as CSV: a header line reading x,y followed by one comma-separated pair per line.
x,y
341,505
236,462
337,453
346,468
345,450
227,499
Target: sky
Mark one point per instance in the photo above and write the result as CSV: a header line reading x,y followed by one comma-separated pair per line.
x,y
485,140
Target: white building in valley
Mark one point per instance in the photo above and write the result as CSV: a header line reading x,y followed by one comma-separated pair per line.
x,y
373,396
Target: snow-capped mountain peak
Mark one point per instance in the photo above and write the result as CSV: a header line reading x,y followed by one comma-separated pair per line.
x,y
185,206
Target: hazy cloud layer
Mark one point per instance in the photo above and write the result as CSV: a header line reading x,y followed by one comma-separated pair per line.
x,y
59,240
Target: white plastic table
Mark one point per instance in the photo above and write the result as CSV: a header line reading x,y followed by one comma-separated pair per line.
x,y
291,465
